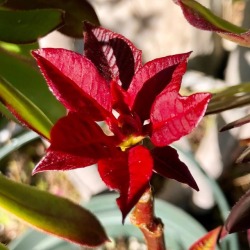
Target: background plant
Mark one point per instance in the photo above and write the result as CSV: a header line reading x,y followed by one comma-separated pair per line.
x,y
226,99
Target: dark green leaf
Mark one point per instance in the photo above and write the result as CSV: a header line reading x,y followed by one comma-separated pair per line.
x,y
27,26
76,11
50,213
25,76
24,109
229,98
20,49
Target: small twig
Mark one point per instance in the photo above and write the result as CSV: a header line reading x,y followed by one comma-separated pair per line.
x,y
144,218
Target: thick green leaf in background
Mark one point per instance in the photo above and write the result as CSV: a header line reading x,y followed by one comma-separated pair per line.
x,y
24,109
50,213
25,76
229,98
76,11
202,18
27,26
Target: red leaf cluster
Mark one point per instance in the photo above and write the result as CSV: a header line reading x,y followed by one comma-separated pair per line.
x,y
109,83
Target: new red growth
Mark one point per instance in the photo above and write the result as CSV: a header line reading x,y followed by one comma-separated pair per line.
x,y
136,102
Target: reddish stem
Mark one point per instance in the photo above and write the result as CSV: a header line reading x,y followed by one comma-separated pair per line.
x,y
144,218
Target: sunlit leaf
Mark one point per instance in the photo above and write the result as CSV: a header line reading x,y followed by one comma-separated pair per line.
x,y
23,74
24,109
239,217
51,214
175,115
76,11
153,78
28,26
207,242
19,49
202,18
79,86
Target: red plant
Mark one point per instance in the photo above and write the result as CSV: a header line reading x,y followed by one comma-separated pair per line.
x,y
137,102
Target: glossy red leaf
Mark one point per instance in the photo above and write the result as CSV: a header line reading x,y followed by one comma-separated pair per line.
x,y
119,97
202,18
152,79
128,172
75,142
114,55
239,217
168,164
75,81
208,241
174,116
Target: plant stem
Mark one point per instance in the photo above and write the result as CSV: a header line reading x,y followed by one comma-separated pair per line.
x,y
144,218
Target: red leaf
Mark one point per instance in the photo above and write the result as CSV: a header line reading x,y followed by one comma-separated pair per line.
x,y
74,81
58,160
75,143
128,172
152,79
239,217
174,116
202,18
119,97
168,164
113,55
207,242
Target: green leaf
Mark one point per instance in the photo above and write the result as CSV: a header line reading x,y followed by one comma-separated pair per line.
x,y
20,49
76,11
27,26
229,98
17,142
24,109
202,18
24,75
3,247
51,214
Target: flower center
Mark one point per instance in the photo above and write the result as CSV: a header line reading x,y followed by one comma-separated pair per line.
x,y
130,142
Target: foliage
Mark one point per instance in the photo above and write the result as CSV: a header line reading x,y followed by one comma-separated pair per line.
x,y
235,96
140,106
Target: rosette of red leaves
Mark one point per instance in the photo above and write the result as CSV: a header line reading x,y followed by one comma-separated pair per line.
x,y
109,83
